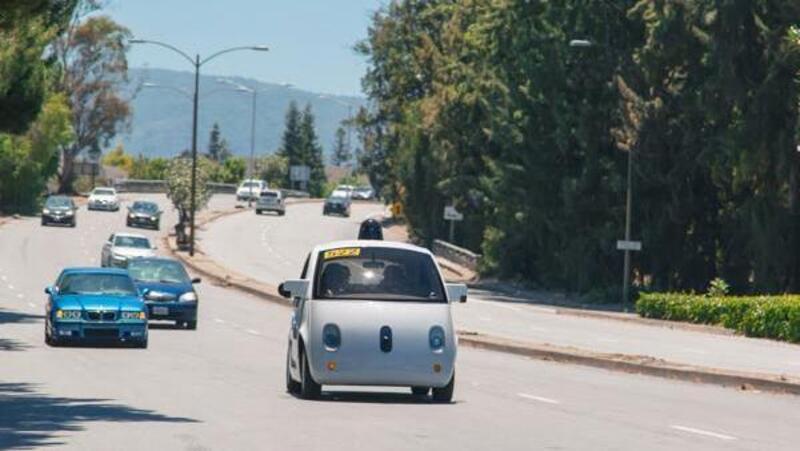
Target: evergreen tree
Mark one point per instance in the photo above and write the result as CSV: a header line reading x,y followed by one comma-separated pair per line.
x,y
312,153
215,143
341,152
290,148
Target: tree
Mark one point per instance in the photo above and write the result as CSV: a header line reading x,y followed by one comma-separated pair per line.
x,y
179,185
218,148
119,159
311,153
27,27
341,151
93,69
149,168
273,169
290,148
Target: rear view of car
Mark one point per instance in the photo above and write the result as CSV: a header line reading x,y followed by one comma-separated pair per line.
x,y
250,190
59,210
167,290
271,200
103,199
95,305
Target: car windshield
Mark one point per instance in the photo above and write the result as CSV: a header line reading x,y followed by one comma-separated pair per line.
x,y
148,207
132,241
103,192
97,284
375,273
163,271
57,202
251,185
272,194
339,195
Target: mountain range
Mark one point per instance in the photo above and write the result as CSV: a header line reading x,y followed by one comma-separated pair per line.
x,y
161,116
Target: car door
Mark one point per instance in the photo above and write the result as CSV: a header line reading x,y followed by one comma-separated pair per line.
x,y
105,255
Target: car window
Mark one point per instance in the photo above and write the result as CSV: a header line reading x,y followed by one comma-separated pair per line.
x,y
103,192
145,206
132,241
271,194
58,202
164,271
96,284
375,273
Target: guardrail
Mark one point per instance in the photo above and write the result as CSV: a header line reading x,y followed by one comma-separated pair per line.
x,y
463,257
160,186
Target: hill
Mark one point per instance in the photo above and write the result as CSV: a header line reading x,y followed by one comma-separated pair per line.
x,y
162,118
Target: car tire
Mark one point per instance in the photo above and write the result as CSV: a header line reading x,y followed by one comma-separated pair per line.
x,y
292,386
44,223
258,212
142,344
157,227
191,325
309,388
445,394
420,391
74,224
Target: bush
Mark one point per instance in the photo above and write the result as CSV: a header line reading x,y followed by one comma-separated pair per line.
x,y
775,317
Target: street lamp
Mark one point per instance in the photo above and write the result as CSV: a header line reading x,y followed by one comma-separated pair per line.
x,y
626,278
197,63
251,166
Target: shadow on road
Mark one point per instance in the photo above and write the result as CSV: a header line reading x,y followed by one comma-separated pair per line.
x,y
9,317
29,419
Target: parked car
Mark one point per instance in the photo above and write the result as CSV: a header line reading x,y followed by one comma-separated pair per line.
x,y
250,190
271,200
95,305
144,214
103,199
123,247
372,313
337,203
363,193
59,210
168,291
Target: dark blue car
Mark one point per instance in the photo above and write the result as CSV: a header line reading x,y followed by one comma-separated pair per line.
x,y
95,305
167,288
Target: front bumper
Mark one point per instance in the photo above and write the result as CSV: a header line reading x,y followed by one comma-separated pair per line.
x,y
171,311
379,369
335,208
58,219
81,331
107,206
142,221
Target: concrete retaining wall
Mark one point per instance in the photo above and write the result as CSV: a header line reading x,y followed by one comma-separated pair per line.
x,y
463,257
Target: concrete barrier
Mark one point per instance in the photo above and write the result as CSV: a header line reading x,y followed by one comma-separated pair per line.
x,y
463,257
160,186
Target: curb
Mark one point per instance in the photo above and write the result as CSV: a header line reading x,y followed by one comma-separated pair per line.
x,y
632,364
635,364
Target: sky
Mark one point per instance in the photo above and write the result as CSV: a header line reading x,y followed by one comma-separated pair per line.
x,y
311,41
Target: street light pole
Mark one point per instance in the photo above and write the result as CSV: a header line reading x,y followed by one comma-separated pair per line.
x,y
252,144
196,62
626,279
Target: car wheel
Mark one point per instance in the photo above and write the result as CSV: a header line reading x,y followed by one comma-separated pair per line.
x,y
420,391
142,344
44,223
281,213
258,212
157,227
191,325
292,386
445,394
309,388
74,224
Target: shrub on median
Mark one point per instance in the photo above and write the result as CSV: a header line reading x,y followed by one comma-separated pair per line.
x,y
755,316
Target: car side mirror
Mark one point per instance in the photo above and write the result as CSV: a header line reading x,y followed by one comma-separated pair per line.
x,y
456,292
283,292
49,290
293,289
196,280
145,292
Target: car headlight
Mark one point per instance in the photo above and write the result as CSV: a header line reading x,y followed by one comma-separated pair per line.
x,y
436,338
153,218
331,337
134,315
46,211
191,296
68,314
69,213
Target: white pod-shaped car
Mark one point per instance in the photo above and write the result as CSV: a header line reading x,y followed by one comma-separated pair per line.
x,y
372,313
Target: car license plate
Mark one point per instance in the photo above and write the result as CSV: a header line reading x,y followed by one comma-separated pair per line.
x,y
160,311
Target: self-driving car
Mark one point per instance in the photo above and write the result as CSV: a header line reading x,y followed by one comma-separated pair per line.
x,y
59,210
95,305
168,291
144,214
372,313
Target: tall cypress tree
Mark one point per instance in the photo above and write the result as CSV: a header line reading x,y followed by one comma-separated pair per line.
x,y
291,142
312,152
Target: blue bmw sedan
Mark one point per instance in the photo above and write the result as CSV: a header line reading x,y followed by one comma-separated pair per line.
x,y
167,288
95,305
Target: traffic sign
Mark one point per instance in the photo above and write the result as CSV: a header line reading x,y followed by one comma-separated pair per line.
x,y
299,173
451,214
629,245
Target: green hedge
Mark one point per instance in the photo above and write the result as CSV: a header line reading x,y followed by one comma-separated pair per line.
x,y
755,316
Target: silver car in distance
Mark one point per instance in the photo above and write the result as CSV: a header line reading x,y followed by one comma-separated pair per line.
x,y
372,313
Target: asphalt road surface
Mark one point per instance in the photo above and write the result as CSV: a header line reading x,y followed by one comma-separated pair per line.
x,y
272,249
221,387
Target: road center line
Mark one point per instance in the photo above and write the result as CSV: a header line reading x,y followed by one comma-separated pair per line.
x,y
220,321
702,432
20,295
252,332
538,398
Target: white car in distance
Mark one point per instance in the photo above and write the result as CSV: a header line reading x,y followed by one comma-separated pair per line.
x,y
102,198
250,190
123,247
372,313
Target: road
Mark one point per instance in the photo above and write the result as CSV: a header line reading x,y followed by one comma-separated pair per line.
x,y
272,249
221,387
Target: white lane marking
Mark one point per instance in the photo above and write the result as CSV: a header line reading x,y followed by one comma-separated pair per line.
x,y
220,321
702,432
538,398
11,287
20,295
252,332
32,304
